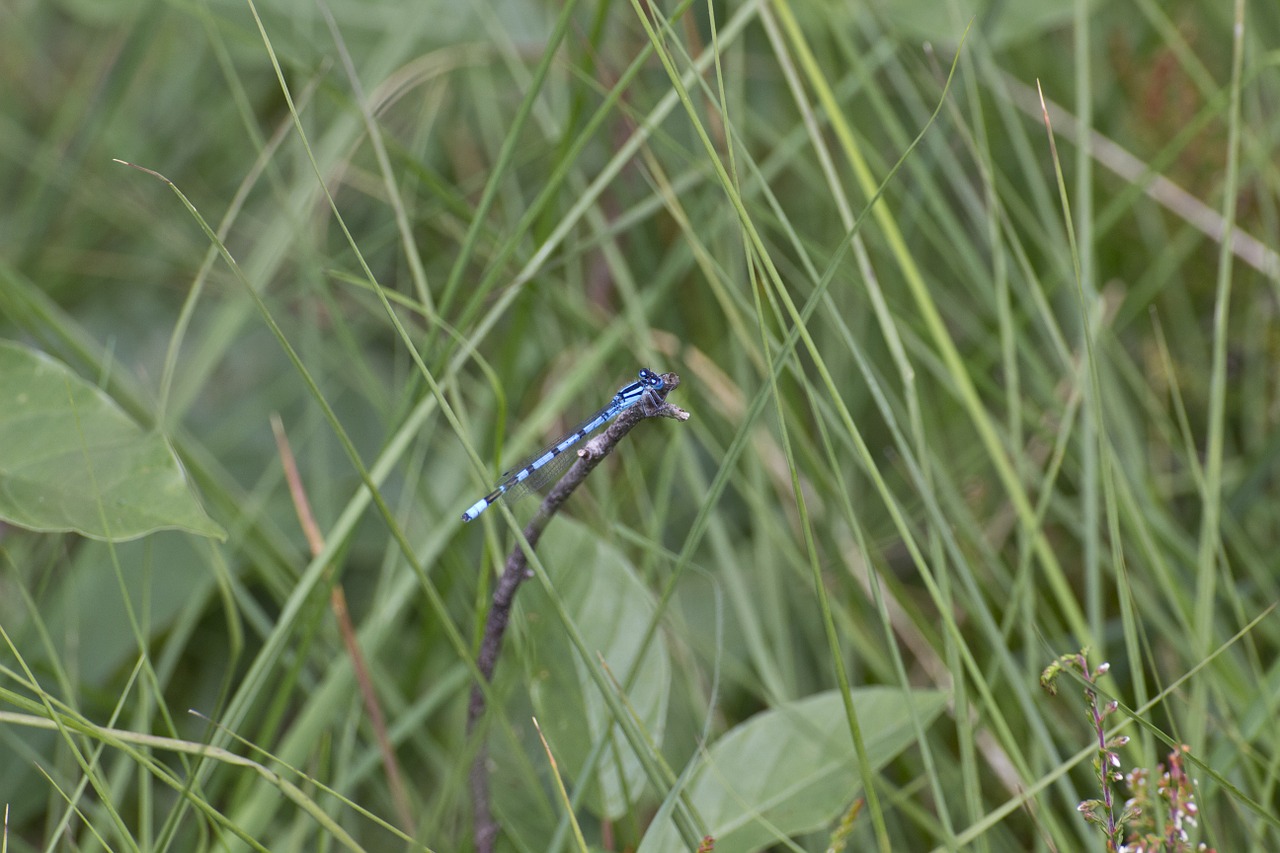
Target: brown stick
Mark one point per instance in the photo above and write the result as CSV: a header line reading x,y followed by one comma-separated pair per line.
x,y
653,405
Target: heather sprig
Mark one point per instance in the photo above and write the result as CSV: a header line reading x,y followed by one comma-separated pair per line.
x,y
1173,794
1102,811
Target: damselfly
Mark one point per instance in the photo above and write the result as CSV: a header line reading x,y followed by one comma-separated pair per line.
x,y
518,481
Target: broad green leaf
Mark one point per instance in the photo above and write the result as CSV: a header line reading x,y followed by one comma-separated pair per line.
x,y
71,460
793,769
611,608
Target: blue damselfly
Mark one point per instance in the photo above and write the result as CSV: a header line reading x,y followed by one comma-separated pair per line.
x,y
519,480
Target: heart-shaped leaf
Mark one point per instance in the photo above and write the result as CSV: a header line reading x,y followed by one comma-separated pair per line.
x,y
71,460
792,769
611,608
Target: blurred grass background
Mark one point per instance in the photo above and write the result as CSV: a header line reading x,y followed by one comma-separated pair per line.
x,y
978,437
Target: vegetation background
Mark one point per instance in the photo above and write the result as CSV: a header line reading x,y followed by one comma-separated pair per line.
x,y
936,441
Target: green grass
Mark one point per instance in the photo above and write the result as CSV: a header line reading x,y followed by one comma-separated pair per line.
x,y
1022,404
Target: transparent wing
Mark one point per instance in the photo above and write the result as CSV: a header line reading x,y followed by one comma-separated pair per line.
x,y
538,480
